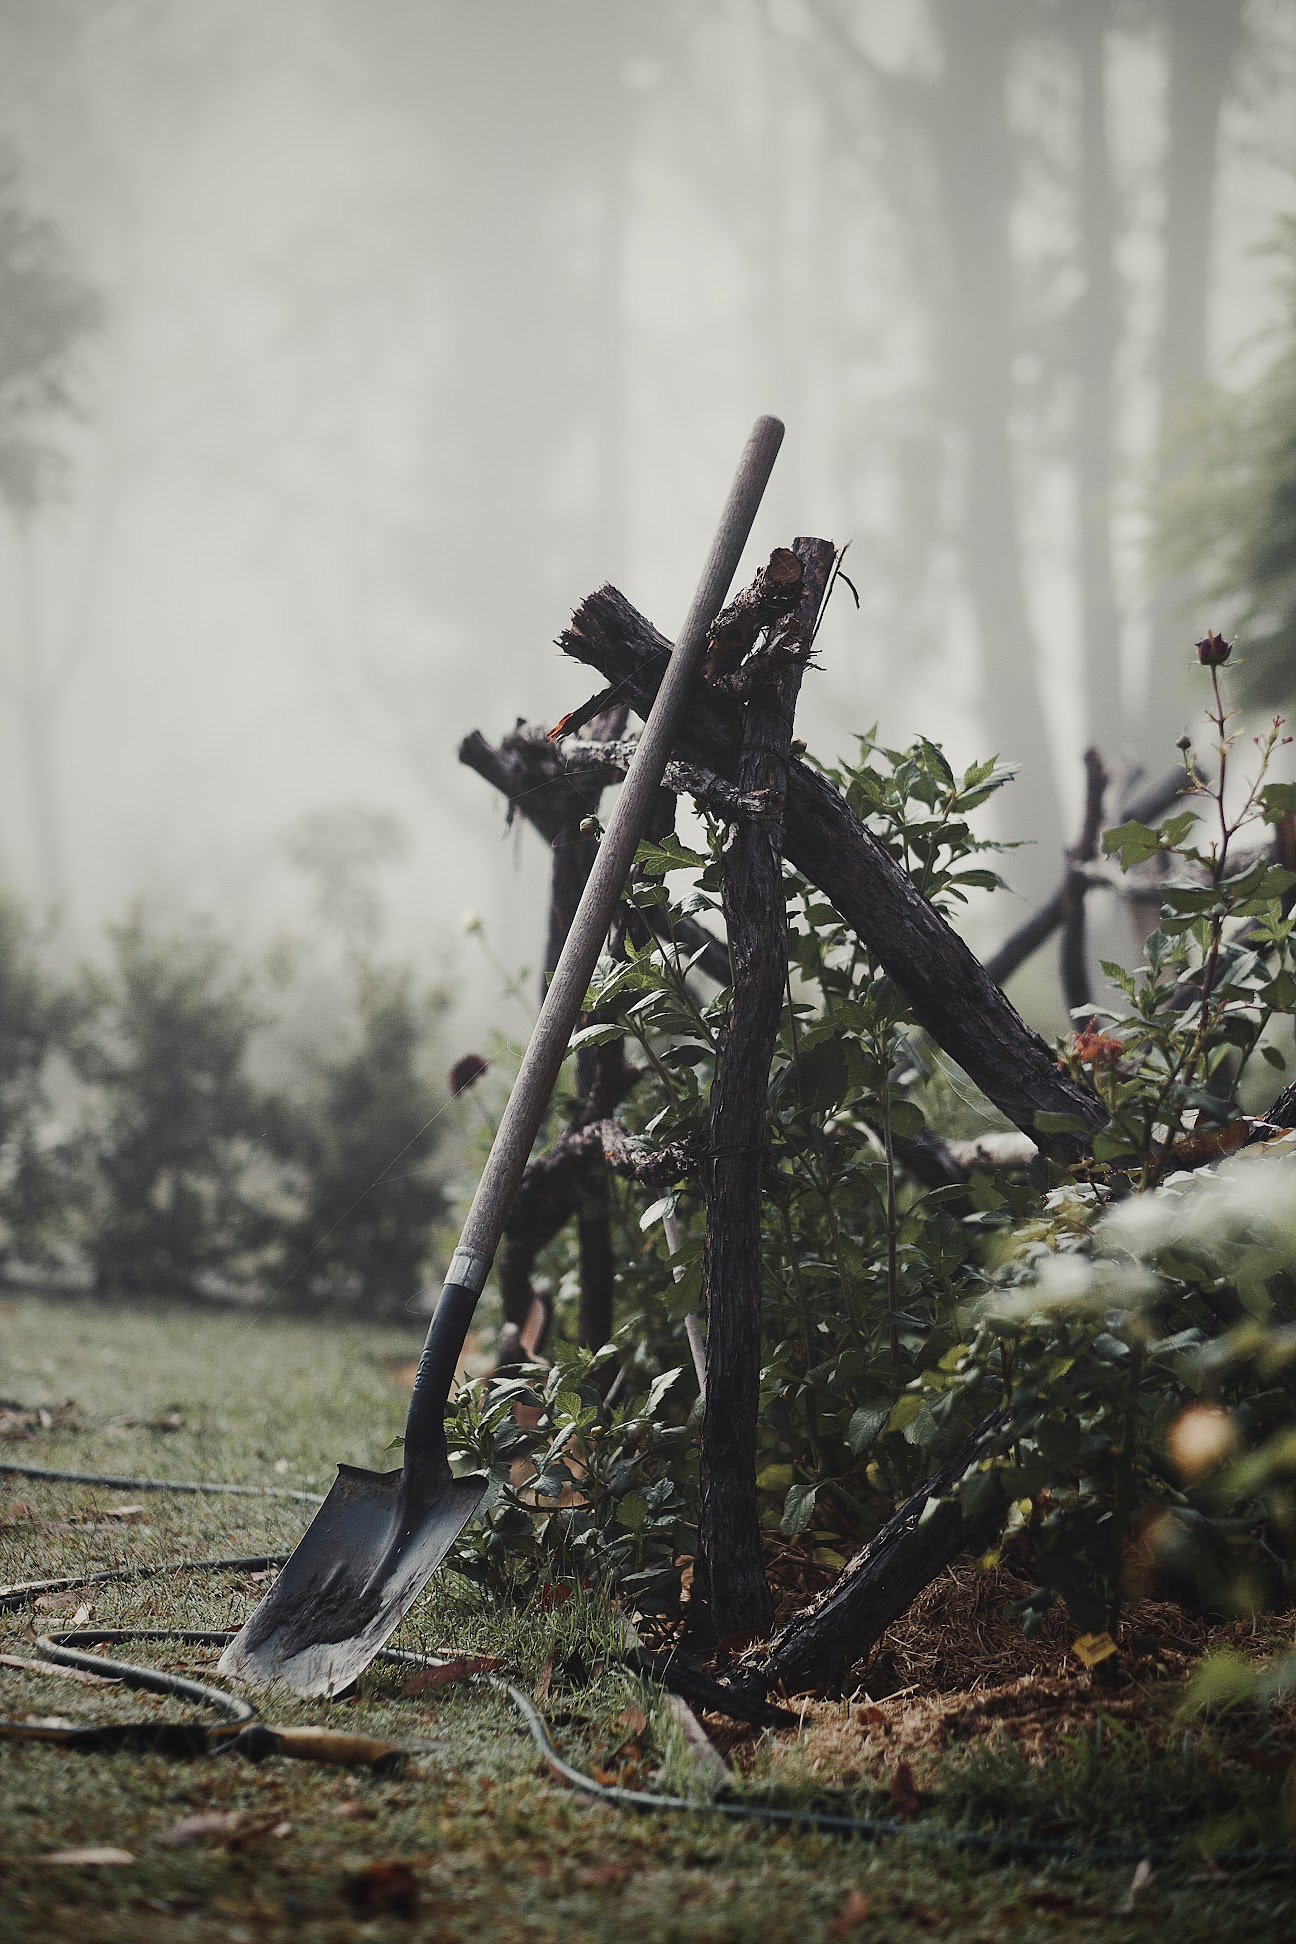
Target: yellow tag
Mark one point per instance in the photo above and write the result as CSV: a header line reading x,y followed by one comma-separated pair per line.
x,y
1092,1648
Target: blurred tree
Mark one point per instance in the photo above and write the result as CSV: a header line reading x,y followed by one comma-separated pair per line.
x,y
357,1142
340,850
47,311
1201,39
1228,513
174,1118
35,1019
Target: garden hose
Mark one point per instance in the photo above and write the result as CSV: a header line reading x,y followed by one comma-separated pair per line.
x,y
242,1732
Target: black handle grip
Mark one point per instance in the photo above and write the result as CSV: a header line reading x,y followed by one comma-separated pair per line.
x,y
447,1334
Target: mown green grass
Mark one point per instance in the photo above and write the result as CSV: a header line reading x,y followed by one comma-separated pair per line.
x,y
497,1849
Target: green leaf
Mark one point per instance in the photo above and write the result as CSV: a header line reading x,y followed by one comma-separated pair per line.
x,y
825,1076
655,1211
670,855
1047,1123
632,1510
864,1427
906,1119
595,1036
1134,841
658,1389
1175,829
904,1411
798,1509
1277,799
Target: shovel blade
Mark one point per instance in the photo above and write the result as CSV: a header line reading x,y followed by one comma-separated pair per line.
x,y
356,1572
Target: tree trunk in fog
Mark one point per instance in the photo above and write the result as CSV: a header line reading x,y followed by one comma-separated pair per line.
x,y
1097,330
1202,39
967,121
37,710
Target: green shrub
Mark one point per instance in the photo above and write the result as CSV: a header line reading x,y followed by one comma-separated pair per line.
x,y
1093,1302
36,1018
582,1493
172,1118
356,1137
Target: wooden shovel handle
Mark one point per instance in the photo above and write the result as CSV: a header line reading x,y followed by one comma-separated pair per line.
x,y
566,995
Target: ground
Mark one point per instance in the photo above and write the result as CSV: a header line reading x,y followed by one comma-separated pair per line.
x,y
475,1839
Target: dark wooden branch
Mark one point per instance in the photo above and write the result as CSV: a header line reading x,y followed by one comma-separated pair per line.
x,y
836,1631
527,770
773,595
588,761
1074,963
1148,807
952,997
731,1555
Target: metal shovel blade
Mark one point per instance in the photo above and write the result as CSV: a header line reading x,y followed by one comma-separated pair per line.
x,y
358,1569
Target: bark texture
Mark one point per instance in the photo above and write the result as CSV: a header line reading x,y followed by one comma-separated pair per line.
x,y
756,918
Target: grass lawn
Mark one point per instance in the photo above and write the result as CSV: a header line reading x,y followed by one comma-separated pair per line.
x,y
492,1846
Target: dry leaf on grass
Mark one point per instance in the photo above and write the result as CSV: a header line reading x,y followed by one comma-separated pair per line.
x,y
603,1873
429,1678
384,1888
94,1858
852,1914
192,1829
903,1793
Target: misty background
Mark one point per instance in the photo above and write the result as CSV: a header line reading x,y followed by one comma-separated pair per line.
x,y
393,328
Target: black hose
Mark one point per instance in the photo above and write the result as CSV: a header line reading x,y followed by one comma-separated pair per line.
x,y
194,1737
162,1484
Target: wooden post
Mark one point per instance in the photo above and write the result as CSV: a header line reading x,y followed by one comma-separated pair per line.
x,y
755,912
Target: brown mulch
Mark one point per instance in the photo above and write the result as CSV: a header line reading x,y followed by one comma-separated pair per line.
x,y
957,1669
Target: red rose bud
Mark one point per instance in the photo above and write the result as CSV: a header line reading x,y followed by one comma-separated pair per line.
x,y
1212,649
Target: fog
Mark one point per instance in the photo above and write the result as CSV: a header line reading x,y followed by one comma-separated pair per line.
x,y
418,320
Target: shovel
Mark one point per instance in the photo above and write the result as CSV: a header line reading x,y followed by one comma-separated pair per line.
x,y
379,1536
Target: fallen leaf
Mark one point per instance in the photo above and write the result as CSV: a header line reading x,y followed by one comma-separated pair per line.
x,y
385,1887
81,1616
282,1829
461,1669
192,1829
123,1512
851,1915
902,1792
59,1602
607,1873
633,1720
93,1858
354,1810
1050,1900
545,1681
1137,1884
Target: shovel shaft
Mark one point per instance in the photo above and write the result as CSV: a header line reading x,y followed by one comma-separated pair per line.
x,y
566,995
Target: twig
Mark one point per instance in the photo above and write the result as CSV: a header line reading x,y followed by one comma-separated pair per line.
x,y
1073,962
1148,806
